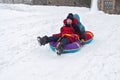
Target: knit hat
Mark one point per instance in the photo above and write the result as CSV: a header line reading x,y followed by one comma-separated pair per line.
x,y
70,16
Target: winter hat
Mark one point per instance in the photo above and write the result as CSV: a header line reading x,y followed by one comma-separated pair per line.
x,y
70,16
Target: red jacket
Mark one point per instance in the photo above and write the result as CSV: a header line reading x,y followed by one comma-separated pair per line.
x,y
67,32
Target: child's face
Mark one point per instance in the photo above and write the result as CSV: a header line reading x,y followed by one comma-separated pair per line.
x,y
69,21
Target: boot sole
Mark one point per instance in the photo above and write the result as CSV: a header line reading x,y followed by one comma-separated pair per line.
x,y
38,39
58,52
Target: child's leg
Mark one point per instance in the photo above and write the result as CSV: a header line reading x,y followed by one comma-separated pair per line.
x,y
53,39
45,39
61,44
64,42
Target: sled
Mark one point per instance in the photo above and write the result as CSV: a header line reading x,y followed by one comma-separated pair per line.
x,y
75,46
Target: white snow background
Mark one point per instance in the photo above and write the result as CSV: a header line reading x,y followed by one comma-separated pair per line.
x,y
21,58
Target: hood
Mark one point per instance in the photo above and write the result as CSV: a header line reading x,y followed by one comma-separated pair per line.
x,y
77,17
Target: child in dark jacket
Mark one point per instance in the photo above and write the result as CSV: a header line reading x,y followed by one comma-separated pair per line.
x,y
67,35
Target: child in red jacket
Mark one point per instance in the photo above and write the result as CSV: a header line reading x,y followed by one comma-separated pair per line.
x,y
67,35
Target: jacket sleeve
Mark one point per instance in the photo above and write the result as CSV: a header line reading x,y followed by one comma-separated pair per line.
x,y
57,34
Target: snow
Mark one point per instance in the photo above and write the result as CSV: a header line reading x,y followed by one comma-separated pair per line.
x,y
21,58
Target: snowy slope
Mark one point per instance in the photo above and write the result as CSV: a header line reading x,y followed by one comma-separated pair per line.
x,y
21,58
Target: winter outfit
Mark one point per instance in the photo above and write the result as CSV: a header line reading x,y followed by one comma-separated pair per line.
x,y
77,25
68,34
80,28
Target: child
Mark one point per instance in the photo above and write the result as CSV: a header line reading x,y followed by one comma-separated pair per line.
x,y
67,35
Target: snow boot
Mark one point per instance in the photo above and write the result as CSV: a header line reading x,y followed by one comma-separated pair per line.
x,y
43,40
59,49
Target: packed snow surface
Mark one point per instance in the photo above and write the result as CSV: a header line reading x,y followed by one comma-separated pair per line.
x,y
21,58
